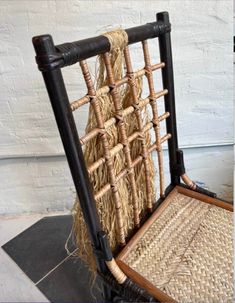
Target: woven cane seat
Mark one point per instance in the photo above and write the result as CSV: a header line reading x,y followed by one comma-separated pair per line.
x,y
186,251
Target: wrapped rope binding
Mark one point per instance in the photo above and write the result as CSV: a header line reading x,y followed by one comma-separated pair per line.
x,y
119,208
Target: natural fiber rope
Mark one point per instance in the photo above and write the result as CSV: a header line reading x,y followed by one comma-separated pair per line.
x,y
155,120
188,252
127,111
133,85
105,89
106,149
116,211
123,137
118,39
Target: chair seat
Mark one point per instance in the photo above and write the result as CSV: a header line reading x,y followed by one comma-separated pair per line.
x,y
185,250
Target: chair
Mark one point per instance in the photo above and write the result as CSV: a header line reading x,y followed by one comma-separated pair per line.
x,y
181,250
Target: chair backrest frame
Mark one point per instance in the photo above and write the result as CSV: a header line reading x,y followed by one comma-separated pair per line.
x,y
50,60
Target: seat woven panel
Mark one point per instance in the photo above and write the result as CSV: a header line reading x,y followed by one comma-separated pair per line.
x,y
187,252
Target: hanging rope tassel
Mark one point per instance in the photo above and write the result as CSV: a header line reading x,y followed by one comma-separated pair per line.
x,y
120,208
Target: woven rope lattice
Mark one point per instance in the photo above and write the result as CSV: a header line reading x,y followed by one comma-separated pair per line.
x,y
117,142
120,113
187,252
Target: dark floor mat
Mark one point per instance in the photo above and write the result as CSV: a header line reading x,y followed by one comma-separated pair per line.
x,y
40,252
70,283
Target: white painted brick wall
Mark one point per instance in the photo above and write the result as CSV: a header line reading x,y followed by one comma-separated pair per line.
x,y
45,185
202,45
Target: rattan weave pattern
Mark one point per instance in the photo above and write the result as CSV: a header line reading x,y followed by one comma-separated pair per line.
x,y
187,252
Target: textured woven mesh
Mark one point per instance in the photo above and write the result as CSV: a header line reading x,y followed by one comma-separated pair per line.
x,y
187,252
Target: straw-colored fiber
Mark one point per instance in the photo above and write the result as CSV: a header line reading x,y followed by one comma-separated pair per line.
x,y
116,207
188,251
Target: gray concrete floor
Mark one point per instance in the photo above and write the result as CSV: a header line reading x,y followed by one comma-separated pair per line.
x,y
15,286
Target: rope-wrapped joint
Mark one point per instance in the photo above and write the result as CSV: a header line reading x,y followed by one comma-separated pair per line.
x,y
117,101
155,120
106,148
106,89
116,271
191,184
133,87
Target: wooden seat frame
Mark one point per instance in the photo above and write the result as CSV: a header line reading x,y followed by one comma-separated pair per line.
x,y
50,60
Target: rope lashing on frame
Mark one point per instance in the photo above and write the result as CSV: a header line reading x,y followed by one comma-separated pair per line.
x,y
118,39
125,188
116,271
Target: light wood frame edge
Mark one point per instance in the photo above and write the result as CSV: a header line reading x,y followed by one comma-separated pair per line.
x,y
214,201
144,283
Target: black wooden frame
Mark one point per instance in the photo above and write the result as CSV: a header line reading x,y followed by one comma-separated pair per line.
x,y
50,60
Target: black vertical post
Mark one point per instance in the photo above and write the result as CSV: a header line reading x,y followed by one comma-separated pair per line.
x,y
169,99
45,51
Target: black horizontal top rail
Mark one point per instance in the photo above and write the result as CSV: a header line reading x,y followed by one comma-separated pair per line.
x,y
69,53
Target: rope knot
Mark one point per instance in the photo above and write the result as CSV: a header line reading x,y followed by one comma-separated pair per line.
x,y
130,171
136,106
155,122
148,70
102,131
152,98
131,79
119,117
141,136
